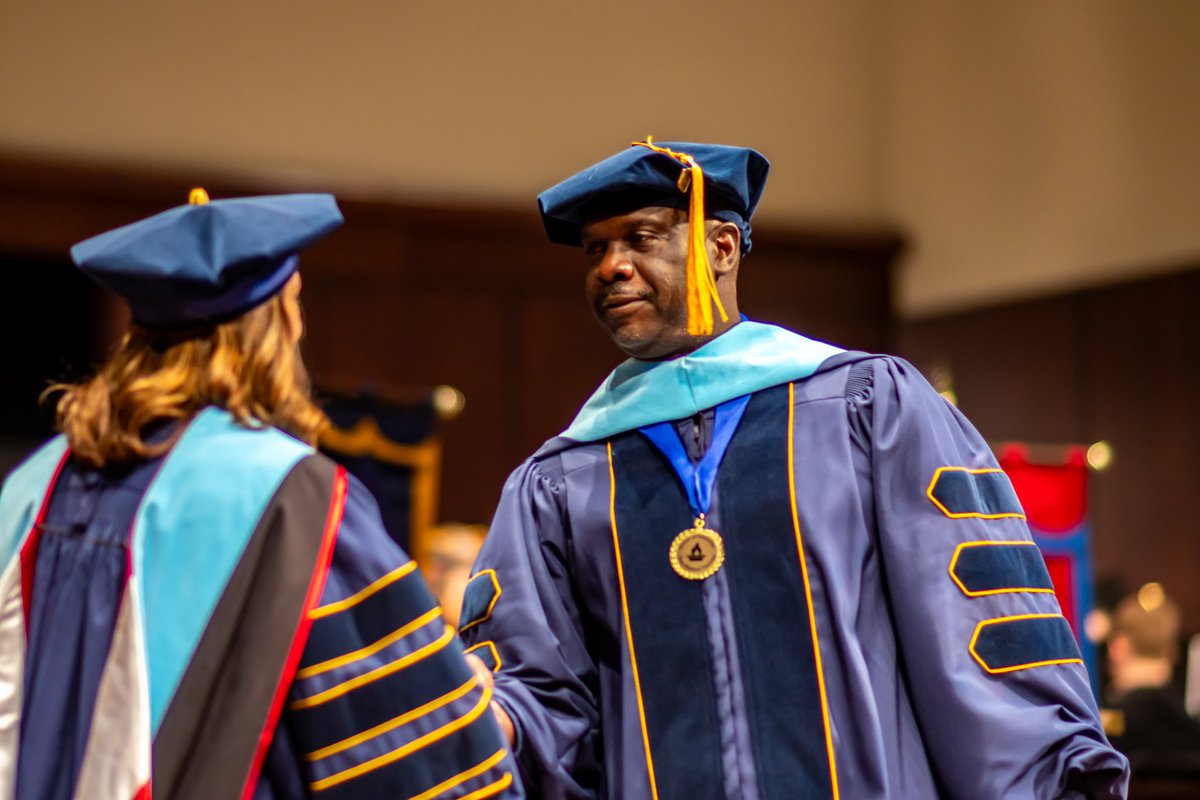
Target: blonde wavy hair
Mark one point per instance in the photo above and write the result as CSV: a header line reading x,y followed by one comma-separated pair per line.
x,y
248,366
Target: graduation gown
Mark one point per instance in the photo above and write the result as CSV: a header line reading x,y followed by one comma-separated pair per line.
x,y
881,627
230,620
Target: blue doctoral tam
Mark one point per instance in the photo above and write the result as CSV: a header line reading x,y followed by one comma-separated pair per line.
x,y
207,262
637,177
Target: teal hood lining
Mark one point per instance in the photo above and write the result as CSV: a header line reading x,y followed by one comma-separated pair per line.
x,y
747,358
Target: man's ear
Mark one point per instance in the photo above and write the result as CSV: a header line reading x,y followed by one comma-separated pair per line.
x,y
725,239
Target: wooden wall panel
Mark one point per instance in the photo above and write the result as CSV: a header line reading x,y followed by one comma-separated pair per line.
x,y
834,286
1015,369
37,295
565,354
1143,379
1118,363
408,296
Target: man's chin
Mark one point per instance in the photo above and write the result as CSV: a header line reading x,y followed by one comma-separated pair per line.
x,y
646,340
631,338
630,343
646,346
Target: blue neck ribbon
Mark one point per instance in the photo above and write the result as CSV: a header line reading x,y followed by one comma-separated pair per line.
x,y
698,479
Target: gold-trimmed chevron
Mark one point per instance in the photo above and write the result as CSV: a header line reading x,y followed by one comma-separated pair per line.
x,y
1015,619
958,551
937,476
496,592
491,648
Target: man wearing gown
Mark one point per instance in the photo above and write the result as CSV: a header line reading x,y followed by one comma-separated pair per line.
x,y
196,604
758,567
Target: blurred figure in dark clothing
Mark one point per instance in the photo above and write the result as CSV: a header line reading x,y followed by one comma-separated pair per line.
x,y
1147,720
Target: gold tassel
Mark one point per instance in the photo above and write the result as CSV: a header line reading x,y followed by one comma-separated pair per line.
x,y
198,197
701,285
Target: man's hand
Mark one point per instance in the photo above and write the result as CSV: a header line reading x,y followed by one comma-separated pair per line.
x,y
485,678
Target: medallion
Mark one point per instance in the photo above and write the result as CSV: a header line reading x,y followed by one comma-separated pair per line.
x,y
697,552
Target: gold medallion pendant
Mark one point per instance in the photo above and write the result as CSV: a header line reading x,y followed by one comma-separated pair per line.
x,y
697,552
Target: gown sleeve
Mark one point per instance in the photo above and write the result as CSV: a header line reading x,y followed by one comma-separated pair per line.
x,y
521,615
383,703
1002,699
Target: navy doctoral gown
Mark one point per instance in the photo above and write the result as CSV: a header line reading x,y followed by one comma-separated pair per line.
x,y
881,627
368,697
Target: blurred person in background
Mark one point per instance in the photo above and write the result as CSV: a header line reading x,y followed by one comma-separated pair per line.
x,y
1107,591
1146,719
446,563
196,604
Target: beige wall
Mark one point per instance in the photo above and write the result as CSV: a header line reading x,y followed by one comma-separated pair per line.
x,y
1024,145
488,100
1035,145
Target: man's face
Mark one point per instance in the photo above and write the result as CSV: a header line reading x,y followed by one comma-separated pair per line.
x,y
636,280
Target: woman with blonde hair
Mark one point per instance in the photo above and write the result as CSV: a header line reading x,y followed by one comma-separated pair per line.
x,y
193,601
